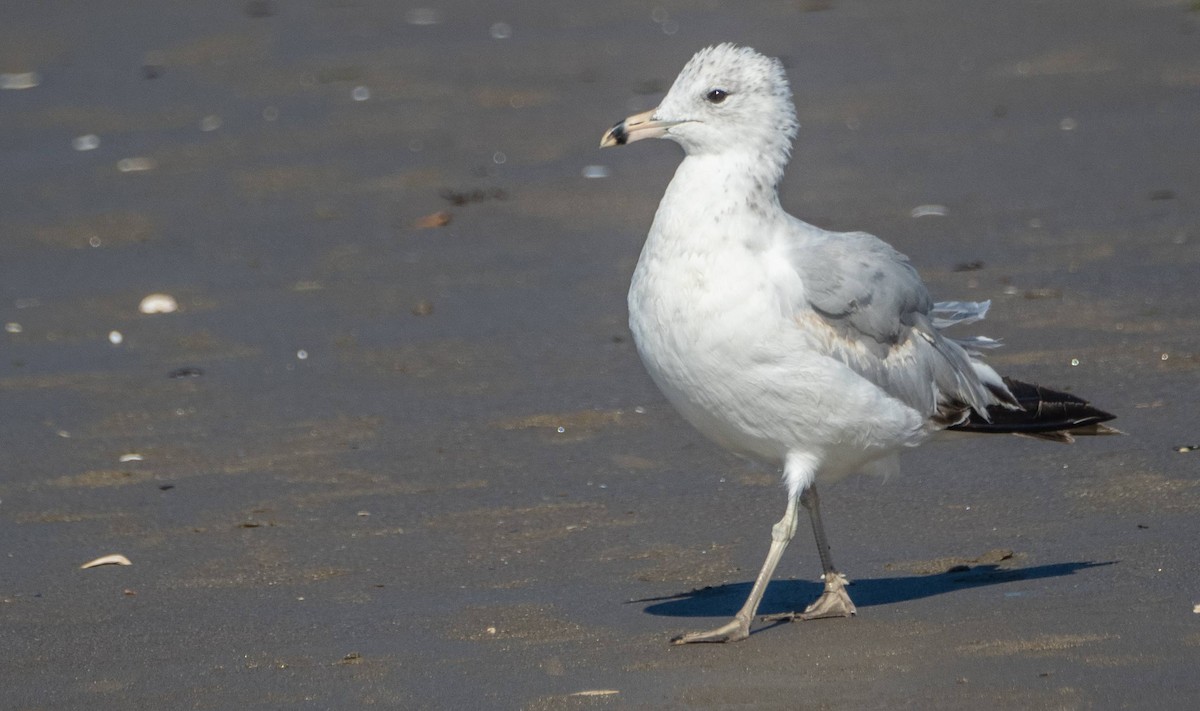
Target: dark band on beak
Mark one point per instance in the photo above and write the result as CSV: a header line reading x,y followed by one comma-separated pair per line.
x,y
635,128
618,133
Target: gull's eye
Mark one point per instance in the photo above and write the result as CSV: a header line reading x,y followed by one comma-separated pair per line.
x,y
716,96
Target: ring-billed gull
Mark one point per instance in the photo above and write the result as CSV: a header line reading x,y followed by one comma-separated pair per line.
x,y
815,351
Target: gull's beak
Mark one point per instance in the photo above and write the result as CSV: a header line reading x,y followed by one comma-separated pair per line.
x,y
635,128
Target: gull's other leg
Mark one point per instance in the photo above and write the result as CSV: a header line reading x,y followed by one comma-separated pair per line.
x,y
739,627
835,601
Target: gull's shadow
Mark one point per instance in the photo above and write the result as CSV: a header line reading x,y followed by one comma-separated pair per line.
x,y
792,595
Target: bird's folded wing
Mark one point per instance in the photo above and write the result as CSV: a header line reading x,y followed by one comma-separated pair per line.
x,y
880,322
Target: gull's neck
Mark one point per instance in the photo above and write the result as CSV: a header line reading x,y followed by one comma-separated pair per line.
x,y
713,187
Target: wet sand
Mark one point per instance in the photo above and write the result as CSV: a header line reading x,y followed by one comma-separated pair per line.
x,y
391,465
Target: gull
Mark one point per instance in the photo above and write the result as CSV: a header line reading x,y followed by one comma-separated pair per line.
x,y
820,353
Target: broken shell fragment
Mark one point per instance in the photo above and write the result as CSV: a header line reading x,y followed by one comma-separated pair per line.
x,y
86,142
137,164
111,559
158,304
20,80
436,219
930,211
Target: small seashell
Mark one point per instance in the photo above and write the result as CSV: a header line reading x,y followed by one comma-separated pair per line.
x,y
596,692
136,165
20,80
86,142
115,338
131,457
930,211
111,559
158,304
435,219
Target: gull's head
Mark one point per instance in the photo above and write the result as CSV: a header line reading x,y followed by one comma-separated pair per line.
x,y
727,99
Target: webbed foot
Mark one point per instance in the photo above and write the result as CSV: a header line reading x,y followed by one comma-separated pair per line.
x,y
834,602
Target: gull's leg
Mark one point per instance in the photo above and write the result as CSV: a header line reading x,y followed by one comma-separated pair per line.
x,y
739,627
835,601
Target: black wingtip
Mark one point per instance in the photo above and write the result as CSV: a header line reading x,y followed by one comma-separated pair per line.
x,y
1044,413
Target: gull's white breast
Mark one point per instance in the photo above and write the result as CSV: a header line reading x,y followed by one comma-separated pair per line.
x,y
718,316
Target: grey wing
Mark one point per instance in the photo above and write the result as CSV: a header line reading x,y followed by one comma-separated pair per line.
x,y
883,325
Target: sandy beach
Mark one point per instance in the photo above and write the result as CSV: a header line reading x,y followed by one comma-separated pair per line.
x,y
391,446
